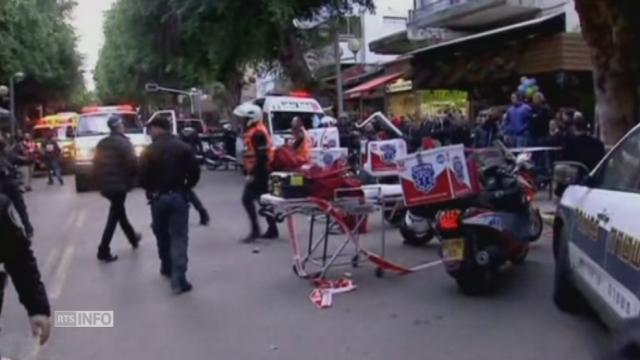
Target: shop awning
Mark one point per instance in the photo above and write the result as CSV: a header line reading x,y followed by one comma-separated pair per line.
x,y
526,28
372,85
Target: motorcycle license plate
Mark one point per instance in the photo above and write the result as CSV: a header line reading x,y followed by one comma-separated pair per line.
x,y
453,249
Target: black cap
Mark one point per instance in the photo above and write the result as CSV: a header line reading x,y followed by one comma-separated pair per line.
x,y
160,122
114,120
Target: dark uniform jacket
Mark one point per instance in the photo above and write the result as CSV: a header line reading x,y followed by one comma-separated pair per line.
x,y
168,164
20,264
115,164
51,151
585,149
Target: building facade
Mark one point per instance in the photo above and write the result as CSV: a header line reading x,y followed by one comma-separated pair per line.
x,y
356,30
484,47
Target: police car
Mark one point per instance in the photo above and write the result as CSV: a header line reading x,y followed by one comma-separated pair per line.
x,y
597,236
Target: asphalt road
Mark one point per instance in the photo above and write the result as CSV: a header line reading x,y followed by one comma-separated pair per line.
x,y
251,306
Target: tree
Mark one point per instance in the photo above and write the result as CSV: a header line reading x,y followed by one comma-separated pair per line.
x,y
205,43
612,31
36,38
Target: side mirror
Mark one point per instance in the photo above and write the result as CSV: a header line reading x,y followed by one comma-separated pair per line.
x,y
570,173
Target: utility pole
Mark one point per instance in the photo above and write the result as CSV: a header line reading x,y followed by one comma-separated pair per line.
x,y
338,56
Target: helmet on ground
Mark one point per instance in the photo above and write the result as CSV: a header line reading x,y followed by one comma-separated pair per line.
x,y
251,113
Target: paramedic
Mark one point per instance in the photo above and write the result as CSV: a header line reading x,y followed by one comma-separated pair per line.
x,y
302,142
257,158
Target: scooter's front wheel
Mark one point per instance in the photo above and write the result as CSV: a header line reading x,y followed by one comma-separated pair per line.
x,y
536,225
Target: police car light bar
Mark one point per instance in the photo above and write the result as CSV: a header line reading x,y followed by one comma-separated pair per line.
x,y
300,94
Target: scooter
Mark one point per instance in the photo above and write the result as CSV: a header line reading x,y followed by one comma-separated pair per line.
x,y
494,228
216,156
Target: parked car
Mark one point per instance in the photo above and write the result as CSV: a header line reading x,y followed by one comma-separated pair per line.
x,y
597,236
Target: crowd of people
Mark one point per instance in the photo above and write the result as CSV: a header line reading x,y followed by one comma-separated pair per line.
x,y
527,123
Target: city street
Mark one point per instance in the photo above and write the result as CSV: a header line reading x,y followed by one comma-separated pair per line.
x,y
248,305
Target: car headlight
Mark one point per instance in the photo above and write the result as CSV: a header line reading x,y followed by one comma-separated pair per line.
x,y
84,154
139,149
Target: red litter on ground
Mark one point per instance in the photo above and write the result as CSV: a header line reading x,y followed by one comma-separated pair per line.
x,y
322,295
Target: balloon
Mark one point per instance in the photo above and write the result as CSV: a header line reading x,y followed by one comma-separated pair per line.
x,y
522,89
530,92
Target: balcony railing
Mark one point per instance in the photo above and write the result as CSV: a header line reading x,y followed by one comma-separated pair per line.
x,y
436,12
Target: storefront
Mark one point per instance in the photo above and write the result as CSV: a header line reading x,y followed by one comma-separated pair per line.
x,y
489,65
402,101
369,97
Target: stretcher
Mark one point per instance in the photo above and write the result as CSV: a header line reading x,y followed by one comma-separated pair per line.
x,y
349,214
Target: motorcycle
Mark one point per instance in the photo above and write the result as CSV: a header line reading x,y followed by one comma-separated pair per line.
x,y
216,156
417,224
494,228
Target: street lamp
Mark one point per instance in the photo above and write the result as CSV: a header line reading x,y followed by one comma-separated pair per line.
x,y
16,78
355,45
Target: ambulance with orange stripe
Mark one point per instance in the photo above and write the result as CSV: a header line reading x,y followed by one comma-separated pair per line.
x,y
62,127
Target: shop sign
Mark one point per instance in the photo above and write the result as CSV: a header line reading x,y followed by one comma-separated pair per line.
x,y
400,86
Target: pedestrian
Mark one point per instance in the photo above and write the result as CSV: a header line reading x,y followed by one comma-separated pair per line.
x,y
115,167
52,155
581,146
538,132
11,186
22,156
302,142
21,266
190,137
168,171
257,159
486,131
516,122
229,137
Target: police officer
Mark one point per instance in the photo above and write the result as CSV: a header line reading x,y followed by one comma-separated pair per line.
x,y
115,167
21,266
191,138
11,186
168,171
257,158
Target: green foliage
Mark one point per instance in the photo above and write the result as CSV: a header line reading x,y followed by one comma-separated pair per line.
x,y
186,43
36,38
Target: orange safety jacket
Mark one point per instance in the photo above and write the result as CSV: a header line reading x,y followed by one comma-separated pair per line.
x,y
250,150
302,149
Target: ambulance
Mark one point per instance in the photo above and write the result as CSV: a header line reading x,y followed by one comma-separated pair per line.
x,y
279,110
62,127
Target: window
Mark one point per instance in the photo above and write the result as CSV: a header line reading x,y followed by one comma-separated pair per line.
x,y
394,20
350,26
620,170
281,121
96,124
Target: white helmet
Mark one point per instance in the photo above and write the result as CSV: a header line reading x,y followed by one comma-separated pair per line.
x,y
249,112
329,121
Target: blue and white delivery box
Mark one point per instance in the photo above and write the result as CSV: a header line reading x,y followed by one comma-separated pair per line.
x,y
327,158
435,176
382,157
325,138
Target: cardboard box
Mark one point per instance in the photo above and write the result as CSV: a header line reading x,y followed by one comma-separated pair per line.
x,y
435,176
382,157
327,158
325,138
